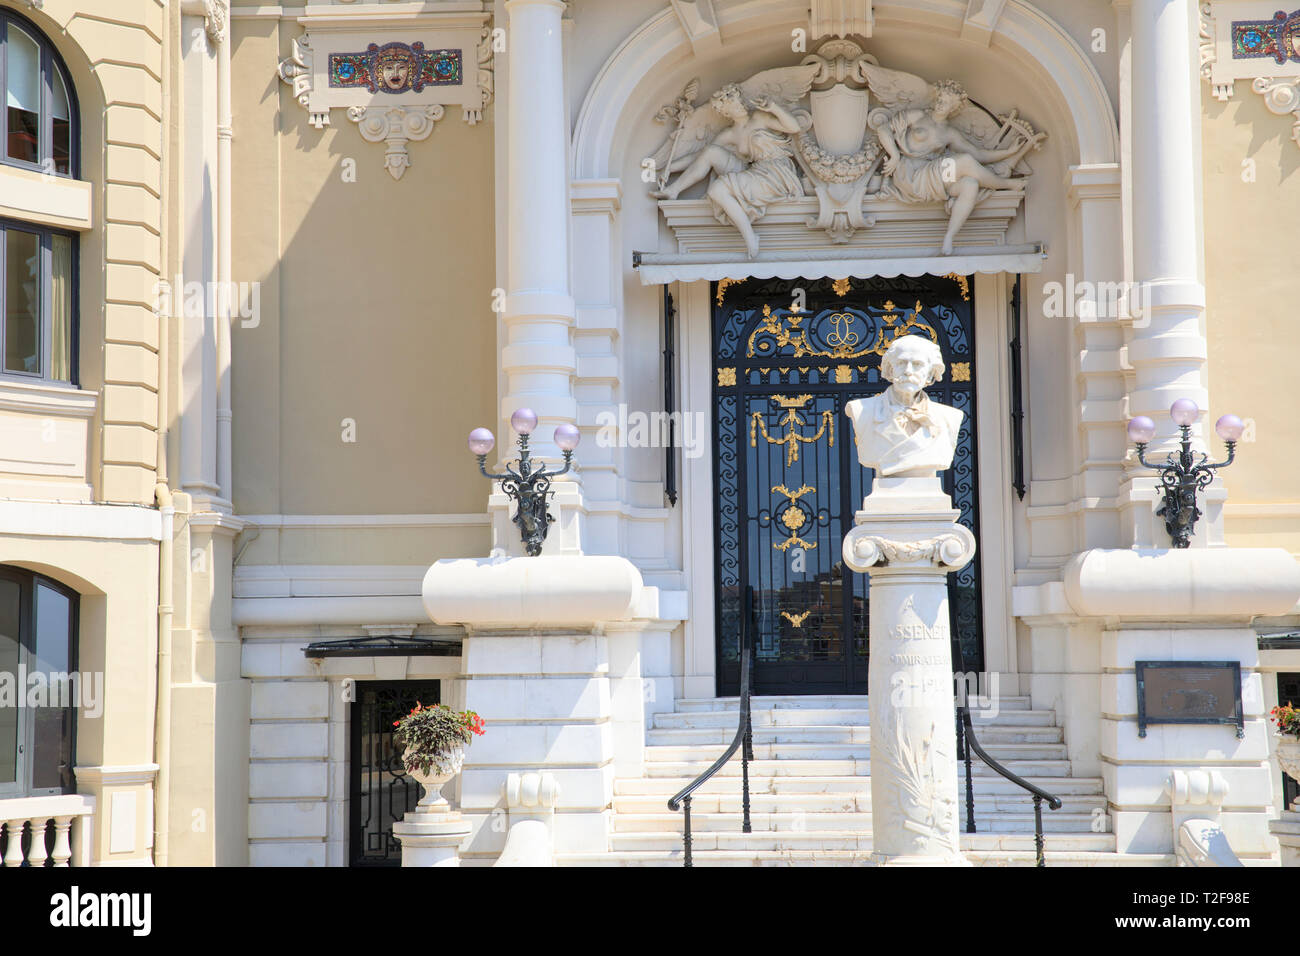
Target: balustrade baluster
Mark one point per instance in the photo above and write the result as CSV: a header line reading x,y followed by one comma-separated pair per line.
x,y
36,853
62,840
14,851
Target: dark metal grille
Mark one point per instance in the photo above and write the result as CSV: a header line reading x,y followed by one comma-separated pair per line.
x,y
1288,692
379,790
788,478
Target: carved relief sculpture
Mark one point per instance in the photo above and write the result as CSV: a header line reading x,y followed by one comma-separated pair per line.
x,y
923,143
743,140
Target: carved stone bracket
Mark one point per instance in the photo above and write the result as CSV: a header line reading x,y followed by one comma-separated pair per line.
x,y
395,126
1222,63
296,70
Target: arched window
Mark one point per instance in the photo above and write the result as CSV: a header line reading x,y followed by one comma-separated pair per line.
x,y
40,107
39,689
38,265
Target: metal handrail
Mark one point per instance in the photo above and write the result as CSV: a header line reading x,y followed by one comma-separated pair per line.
x,y
743,741
967,742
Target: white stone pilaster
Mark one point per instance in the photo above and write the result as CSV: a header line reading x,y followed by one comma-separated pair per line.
x,y
1167,347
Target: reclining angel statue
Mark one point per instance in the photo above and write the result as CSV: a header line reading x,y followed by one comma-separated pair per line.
x,y
743,139
936,149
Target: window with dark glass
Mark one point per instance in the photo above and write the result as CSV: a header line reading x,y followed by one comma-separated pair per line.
x,y
37,327
40,112
38,628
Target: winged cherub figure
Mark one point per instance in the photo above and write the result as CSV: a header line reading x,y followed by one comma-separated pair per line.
x,y
935,147
743,142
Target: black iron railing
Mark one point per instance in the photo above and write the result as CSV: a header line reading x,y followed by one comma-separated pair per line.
x,y
743,741
968,743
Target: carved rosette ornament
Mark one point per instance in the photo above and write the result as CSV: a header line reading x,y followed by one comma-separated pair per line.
x,y
815,129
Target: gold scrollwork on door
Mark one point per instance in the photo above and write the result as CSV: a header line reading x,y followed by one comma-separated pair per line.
x,y
793,518
794,424
847,337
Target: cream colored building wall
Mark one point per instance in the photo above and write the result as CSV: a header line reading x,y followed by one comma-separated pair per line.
x,y
376,306
114,53
1250,248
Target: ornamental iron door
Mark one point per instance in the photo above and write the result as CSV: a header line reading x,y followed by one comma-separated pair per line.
x,y
380,792
788,476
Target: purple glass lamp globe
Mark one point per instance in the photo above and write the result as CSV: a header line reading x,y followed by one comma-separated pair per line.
x,y
567,437
523,421
1230,427
481,441
1141,429
1184,412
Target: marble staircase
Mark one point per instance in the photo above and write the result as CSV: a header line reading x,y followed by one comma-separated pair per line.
x,y
811,790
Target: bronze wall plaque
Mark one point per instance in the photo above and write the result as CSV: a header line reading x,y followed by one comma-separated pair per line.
x,y
1189,692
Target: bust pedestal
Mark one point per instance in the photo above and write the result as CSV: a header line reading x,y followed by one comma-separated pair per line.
x,y
431,837
906,537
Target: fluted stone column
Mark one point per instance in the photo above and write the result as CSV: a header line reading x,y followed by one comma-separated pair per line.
x,y
1167,349
907,538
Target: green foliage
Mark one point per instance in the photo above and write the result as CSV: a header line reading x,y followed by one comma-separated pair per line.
x,y
430,735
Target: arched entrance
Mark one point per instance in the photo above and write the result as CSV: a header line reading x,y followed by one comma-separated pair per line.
x,y
789,354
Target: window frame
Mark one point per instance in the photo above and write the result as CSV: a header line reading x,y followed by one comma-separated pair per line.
x,y
27,582
51,62
45,283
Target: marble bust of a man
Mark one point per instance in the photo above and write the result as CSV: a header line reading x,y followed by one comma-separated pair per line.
x,y
901,433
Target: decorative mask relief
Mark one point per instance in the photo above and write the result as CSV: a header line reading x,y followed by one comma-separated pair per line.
x,y
1253,40
394,88
758,145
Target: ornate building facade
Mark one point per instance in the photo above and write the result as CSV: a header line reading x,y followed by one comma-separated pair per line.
x,y
266,265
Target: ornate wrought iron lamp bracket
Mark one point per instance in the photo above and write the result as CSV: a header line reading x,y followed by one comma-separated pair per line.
x,y
1183,474
529,487
531,491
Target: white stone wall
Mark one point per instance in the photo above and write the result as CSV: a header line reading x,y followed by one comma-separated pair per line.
x,y
299,735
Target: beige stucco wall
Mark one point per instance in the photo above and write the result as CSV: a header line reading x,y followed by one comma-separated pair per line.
x,y
375,306
114,52
1250,245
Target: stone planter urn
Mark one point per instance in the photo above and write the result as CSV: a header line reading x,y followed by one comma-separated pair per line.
x,y
1288,757
433,781
432,833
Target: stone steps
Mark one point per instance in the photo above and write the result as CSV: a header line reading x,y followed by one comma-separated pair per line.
x,y
704,841
845,802
992,734
810,790
813,824
813,784
976,856
789,767
1005,753
820,702
830,717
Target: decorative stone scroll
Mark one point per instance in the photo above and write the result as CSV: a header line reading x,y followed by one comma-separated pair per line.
x,y
761,151
394,78
1253,40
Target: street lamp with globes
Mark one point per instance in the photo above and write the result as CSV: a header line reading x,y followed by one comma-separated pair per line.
x,y
528,487
1182,476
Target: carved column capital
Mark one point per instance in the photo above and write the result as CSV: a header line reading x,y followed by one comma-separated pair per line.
x,y
946,552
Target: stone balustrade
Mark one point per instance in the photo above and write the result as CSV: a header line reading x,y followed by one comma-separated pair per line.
x,y
70,817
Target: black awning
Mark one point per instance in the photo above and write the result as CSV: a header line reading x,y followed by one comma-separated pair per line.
x,y
1289,641
385,647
